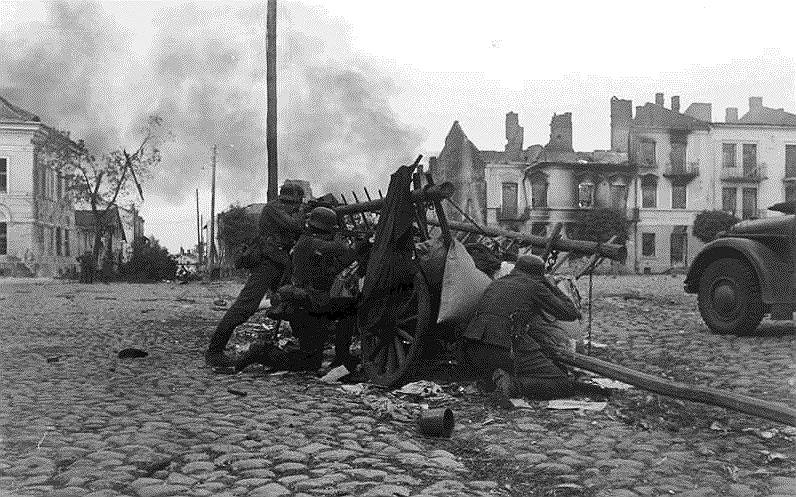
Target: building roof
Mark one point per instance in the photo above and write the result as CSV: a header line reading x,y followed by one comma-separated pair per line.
x,y
657,116
11,113
767,115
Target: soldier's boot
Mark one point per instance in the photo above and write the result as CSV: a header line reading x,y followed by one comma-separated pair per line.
x,y
267,354
215,356
344,333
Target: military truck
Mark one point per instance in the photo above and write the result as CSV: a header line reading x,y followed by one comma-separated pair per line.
x,y
747,273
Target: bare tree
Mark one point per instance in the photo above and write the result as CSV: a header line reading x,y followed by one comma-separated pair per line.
x,y
101,182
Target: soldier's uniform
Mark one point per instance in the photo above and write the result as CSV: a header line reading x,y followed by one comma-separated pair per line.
x,y
281,222
498,339
319,255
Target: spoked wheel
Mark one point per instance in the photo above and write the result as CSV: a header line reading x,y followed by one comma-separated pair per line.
x,y
390,356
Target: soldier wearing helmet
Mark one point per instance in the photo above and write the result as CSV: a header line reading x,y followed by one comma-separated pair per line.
x,y
319,255
268,259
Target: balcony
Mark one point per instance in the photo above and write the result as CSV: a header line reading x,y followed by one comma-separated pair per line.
x,y
743,175
682,172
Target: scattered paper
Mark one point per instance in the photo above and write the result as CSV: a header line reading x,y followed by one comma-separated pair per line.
x,y
611,384
335,374
423,388
520,404
357,389
569,404
597,345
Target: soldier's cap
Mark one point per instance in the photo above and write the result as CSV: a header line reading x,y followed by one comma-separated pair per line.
x,y
530,264
291,192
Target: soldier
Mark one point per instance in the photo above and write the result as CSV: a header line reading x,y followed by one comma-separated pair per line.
x,y
281,223
318,257
86,267
499,344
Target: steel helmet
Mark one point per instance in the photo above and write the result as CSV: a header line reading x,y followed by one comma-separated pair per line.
x,y
323,219
291,192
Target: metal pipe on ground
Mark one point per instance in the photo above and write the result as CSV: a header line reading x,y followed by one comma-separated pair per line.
x,y
741,403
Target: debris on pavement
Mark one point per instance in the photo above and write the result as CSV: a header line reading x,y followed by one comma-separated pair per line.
x,y
239,393
611,384
422,388
520,404
132,353
54,359
571,404
335,374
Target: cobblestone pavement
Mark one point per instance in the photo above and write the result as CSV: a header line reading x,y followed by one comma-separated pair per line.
x,y
76,420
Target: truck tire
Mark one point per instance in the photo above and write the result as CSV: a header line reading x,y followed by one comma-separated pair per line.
x,y
729,297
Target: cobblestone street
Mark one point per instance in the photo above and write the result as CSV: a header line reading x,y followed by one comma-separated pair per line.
x,y
76,420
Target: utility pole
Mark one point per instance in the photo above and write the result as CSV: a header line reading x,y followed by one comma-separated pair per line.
x,y
198,231
270,80
213,216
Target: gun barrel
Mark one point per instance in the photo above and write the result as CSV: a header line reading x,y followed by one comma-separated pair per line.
x,y
580,247
436,192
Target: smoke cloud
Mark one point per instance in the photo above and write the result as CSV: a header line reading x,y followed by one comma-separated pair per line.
x,y
205,75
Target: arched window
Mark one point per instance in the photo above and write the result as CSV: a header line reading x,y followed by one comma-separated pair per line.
x,y
649,191
538,190
586,193
618,192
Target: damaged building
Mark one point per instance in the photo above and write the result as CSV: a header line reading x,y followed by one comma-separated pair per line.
x,y
665,165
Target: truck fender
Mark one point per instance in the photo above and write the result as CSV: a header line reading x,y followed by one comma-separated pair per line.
x,y
767,265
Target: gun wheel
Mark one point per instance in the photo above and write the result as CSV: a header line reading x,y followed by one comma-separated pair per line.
x,y
390,355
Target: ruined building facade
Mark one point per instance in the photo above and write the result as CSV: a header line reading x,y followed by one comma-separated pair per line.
x,y
665,165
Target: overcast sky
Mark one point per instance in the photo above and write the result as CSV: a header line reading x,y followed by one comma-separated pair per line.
x,y
474,61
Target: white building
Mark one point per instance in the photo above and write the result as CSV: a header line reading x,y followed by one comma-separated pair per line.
x,y
36,213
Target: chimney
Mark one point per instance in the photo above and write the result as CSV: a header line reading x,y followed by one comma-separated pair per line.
x,y
676,103
659,99
561,132
514,136
755,103
732,115
621,117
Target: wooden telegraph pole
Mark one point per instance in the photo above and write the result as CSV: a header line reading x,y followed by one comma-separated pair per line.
x,y
198,231
213,215
270,125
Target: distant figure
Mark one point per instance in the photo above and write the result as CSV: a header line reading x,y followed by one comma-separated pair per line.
x,y
281,223
86,267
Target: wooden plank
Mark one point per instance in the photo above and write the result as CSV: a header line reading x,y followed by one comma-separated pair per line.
x,y
741,403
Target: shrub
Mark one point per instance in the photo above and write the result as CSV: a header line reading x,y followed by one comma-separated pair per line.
x,y
708,224
599,225
149,262
236,228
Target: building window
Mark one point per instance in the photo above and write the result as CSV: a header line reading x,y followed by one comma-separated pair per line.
x,y
618,196
586,194
3,238
649,192
749,203
790,161
677,156
539,229
729,199
509,209
58,241
678,196
3,175
51,242
749,157
648,244
728,155
66,242
647,153
539,191
678,243
59,186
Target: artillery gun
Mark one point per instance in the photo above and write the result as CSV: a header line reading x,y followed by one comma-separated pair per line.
x,y
391,353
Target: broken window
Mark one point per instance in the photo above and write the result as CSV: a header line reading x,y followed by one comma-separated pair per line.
x,y
3,175
509,209
678,244
749,157
678,196
790,161
3,238
749,203
729,199
586,194
618,196
648,244
539,191
66,242
728,155
539,229
649,192
58,241
678,156
647,153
